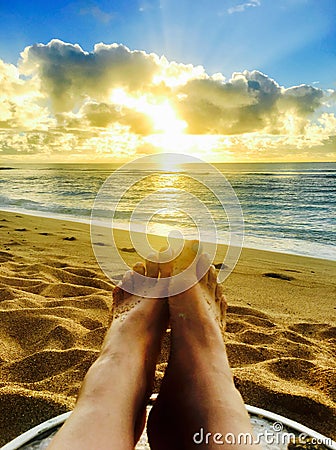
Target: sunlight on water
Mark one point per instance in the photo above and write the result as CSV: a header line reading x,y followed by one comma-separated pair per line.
x,y
287,207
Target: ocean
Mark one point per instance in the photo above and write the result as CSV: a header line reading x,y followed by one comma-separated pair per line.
x,y
287,207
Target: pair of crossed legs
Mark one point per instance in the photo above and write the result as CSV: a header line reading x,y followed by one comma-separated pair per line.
x,y
197,392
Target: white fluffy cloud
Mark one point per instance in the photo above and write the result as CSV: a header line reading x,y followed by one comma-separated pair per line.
x,y
21,103
61,98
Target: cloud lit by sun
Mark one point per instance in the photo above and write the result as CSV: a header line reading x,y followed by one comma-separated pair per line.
x,y
114,103
161,113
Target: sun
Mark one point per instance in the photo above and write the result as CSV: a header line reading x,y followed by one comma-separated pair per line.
x,y
165,120
160,112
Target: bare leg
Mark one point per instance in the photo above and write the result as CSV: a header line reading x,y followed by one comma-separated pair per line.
x,y
198,390
110,410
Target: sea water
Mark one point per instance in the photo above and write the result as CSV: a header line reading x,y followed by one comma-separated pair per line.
x,y
287,207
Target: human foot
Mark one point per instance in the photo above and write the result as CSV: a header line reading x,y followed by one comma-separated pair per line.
x,y
203,304
142,318
110,410
198,389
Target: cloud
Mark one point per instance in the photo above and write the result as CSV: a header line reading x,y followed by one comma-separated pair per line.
x,y
303,99
21,103
248,102
61,98
102,115
68,74
213,106
243,6
97,13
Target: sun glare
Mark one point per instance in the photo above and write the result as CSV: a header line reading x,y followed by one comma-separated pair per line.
x,y
161,113
169,132
165,119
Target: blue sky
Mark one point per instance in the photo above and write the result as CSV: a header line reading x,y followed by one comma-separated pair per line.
x,y
292,41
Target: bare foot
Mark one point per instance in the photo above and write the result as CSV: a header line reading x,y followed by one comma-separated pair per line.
x,y
138,317
197,390
111,408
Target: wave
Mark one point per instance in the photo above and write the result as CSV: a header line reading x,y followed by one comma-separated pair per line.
x,y
289,207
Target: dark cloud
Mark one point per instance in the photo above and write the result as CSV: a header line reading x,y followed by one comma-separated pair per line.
x,y
250,101
104,115
303,99
69,75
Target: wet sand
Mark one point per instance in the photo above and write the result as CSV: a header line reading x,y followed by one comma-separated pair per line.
x,y
55,305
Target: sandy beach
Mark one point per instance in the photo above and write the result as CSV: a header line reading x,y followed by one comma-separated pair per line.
x,y
55,305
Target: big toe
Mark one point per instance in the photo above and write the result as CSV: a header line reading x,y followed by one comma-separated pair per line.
x,y
152,266
166,262
139,268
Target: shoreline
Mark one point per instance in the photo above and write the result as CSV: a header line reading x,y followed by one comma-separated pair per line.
x,y
55,305
123,227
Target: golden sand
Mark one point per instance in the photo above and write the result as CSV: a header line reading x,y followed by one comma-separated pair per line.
x,y
55,305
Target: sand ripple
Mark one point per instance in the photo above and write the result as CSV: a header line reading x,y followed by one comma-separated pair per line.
x,y
55,308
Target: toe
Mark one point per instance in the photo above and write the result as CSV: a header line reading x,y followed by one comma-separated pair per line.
x,y
140,268
212,276
123,289
203,265
220,297
220,290
165,262
152,266
127,282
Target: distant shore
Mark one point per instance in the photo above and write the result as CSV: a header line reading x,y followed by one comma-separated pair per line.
x,y
55,305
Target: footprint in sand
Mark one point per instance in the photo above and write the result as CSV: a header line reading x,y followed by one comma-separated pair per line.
x,y
278,276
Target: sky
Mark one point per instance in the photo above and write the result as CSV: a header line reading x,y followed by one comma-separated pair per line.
x,y
225,80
